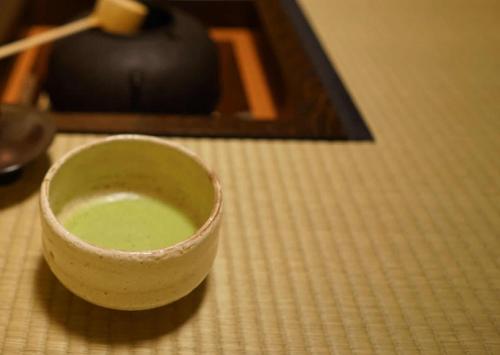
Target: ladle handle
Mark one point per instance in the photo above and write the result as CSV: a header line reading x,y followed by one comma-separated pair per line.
x,y
49,36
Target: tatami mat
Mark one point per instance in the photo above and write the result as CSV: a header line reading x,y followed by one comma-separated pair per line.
x,y
384,247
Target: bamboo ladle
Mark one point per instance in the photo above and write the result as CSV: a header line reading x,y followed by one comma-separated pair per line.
x,y
115,16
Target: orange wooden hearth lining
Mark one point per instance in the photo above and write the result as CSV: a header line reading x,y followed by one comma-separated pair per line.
x,y
28,68
251,70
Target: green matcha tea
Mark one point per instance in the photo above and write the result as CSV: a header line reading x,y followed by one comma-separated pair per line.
x,y
130,222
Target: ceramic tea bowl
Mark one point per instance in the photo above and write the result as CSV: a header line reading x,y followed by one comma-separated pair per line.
x,y
128,279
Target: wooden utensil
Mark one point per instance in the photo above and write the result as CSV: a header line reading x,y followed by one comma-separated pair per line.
x,y
115,16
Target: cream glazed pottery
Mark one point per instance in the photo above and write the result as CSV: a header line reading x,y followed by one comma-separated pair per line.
x,y
131,280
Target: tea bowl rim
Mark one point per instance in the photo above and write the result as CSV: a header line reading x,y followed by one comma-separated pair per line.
x,y
171,251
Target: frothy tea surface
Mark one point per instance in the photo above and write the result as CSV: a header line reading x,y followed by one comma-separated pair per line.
x,y
128,221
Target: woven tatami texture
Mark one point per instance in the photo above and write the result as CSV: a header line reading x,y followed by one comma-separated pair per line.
x,y
384,247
